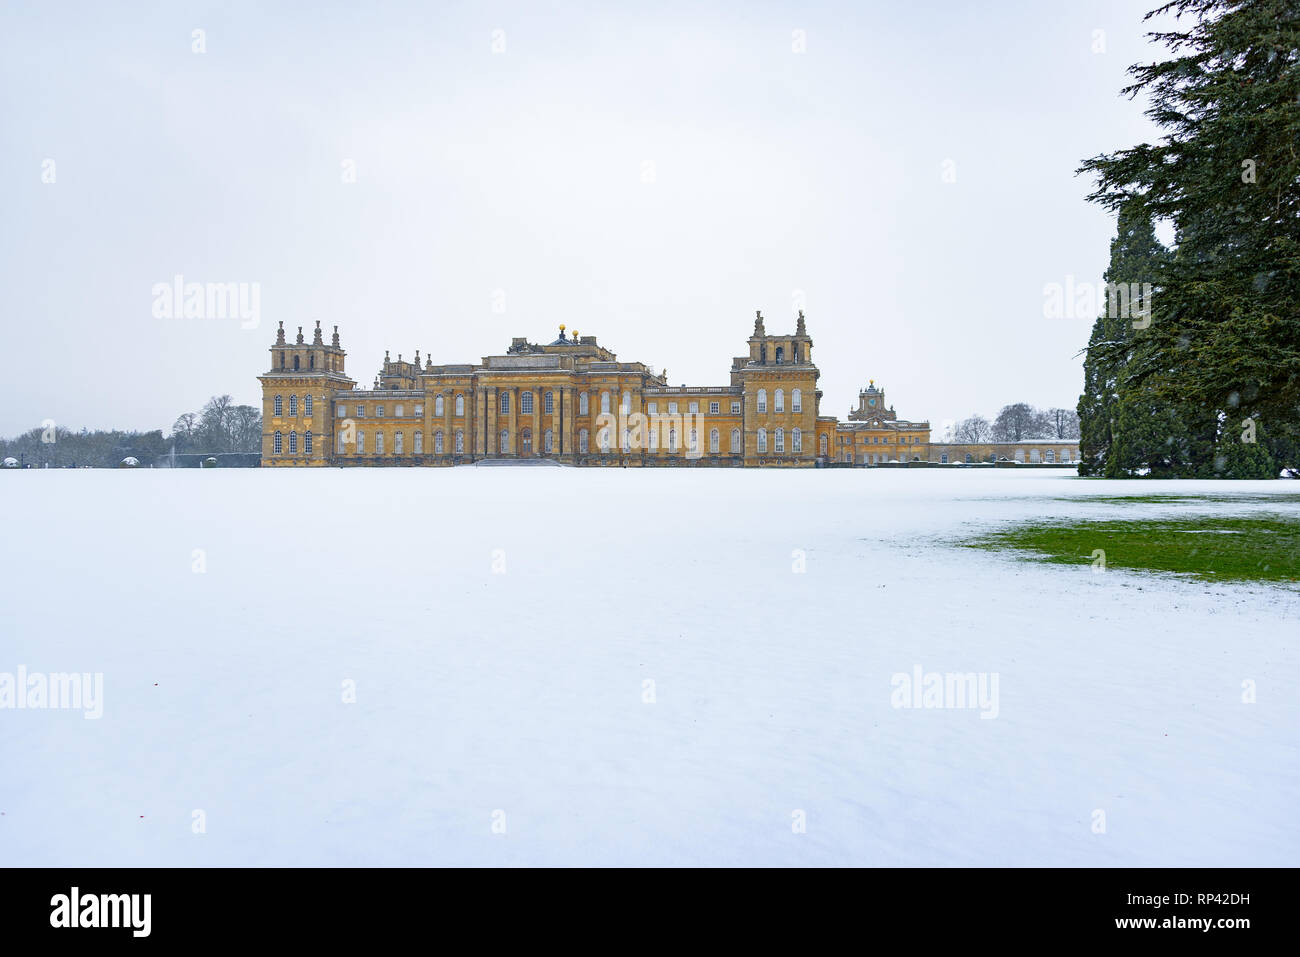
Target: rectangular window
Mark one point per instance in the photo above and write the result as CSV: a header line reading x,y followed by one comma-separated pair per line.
x,y
672,408
713,408
419,408
341,411
735,408
694,408
526,403
361,411
399,411
652,408
549,403
379,411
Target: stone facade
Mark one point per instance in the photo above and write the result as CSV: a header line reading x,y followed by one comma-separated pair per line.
x,y
573,401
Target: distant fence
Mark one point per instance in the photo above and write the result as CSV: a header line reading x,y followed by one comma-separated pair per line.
x,y
195,460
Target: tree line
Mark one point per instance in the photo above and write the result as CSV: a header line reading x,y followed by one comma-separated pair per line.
x,y
220,426
1016,423
1198,373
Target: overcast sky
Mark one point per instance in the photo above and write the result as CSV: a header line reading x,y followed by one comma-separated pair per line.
x,y
650,178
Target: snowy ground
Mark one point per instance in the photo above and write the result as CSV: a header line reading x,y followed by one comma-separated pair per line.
x,y
500,626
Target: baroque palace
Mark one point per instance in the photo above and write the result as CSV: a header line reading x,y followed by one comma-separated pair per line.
x,y
572,401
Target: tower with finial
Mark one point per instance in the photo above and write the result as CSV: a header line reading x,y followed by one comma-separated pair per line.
x,y
297,393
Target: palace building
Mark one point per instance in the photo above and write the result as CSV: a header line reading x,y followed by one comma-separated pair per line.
x,y
572,401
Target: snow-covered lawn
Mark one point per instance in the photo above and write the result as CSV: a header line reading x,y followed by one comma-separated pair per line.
x,y
500,627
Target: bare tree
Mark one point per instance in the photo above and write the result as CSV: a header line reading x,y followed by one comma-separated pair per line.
x,y
972,431
1019,421
1062,423
184,430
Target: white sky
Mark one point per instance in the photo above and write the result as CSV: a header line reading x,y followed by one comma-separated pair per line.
x,y
775,174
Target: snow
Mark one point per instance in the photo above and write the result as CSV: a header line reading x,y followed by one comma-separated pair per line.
x,y
226,609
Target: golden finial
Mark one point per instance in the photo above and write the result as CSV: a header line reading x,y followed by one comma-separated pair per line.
x,y
561,327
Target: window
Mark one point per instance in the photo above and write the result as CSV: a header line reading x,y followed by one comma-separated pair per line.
x,y
1020,456
762,400
780,440
780,355
400,411
547,437
343,446
361,411
672,408
548,402
437,443
293,405
419,443
1050,456
780,400
398,442
295,363
713,441
735,440
503,441
672,440
693,408
796,441
821,445
361,442
379,443
419,408
582,436
306,405
277,443
341,411
293,442
652,408
762,440
735,408
379,411
604,403
1034,457
653,438
460,404
306,442
969,458
796,400
582,404
943,458
504,403
460,441
526,403
627,403
279,405
1065,456
604,438
713,408
437,406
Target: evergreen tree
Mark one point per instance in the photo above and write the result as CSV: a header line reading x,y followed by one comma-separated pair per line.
x,y
1224,336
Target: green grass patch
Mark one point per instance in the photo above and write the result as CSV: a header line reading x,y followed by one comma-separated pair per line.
x,y
1285,498
1256,548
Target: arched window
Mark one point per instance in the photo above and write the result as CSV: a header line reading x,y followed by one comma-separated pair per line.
x,y
437,443
548,402
343,445
604,438
311,361
293,442
796,400
547,439
627,403
419,443
460,404
762,440
379,443
713,441
582,403
526,403
604,403
306,405
361,442
780,400
821,445
278,443
943,458
762,400
437,406
627,439
281,360
1065,456
504,403
279,405
306,441
796,441
780,354
295,363
969,458
1050,456
398,442
503,442
693,441
780,440
582,436
672,439
460,442
735,440
293,405
1020,456
1034,457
